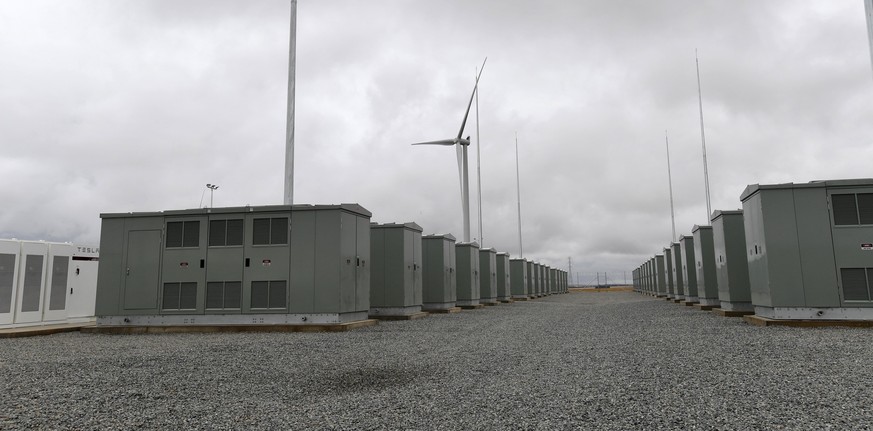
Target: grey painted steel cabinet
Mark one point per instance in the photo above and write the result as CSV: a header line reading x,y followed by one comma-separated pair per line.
x,y
686,247
504,277
668,271
704,256
518,274
731,266
678,287
467,258
488,276
529,276
810,249
661,279
395,272
439,291
242,265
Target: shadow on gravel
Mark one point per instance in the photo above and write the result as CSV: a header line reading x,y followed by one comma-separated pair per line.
x,y
366,379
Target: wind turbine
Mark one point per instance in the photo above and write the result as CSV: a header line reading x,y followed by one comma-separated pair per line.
x,y
461,145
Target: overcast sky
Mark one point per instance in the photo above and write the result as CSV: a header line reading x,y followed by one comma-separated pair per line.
x,y
117,106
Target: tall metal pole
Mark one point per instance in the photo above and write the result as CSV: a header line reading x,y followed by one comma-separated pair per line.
x,y
703,139
465,205
289,120
868,9
570,267
478,165
670,181
518,193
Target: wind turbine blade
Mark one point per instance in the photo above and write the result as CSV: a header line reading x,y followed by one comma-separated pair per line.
x,y
441,142
469,104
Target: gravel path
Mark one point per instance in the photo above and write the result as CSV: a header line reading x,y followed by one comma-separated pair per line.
x,y
577,361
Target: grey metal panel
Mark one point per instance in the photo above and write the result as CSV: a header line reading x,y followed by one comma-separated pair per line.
x,y
417,262
661,279
438,269
351,268
467,270
225,263
731,265
7,280
759,274
668,269
488,274
362,283
186,264
816,246
380,271
504,280
782,248
33,279
704,256
266,262
142,269
58,289
334,263
689,274
302,255
518,274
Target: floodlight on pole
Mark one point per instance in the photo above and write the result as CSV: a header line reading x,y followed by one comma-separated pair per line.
x,y
212,188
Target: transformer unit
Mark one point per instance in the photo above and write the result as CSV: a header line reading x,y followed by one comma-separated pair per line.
x,y
689,274
504,278
439,283
395,271
467,267
660,277
668,271
518,279
810,249
300,265
678,286
731,265
44,283
704,256
488,276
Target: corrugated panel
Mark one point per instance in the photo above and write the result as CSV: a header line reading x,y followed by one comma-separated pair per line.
x,y
854,284
217,234
234,232
215,294
261,231
845,209
7,273
58,290
865,208
30,295
260,294
279,230
171,296
174,234
188,296
191,234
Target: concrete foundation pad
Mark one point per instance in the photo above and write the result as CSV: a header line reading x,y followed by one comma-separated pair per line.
x,y
763,321
507,301
520,298
704,307
731,313
446,310
329,327
413,316
488,304
32,331
689,303
472,306
675,301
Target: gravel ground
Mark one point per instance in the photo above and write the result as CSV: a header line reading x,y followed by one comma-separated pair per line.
x,y
577,361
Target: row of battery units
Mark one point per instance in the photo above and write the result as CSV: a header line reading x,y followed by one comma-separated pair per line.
x,y
43,282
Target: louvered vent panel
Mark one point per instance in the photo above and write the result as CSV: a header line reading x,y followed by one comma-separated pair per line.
x,y
232,294
174,234
260,231
260,294
191,236
215,295
277,294
217,233
30,296
854,284
188,296
865,208
234,232
171,296
58,290
845,210
7,274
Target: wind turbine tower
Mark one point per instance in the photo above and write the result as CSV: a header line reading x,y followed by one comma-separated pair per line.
x,y
289,120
